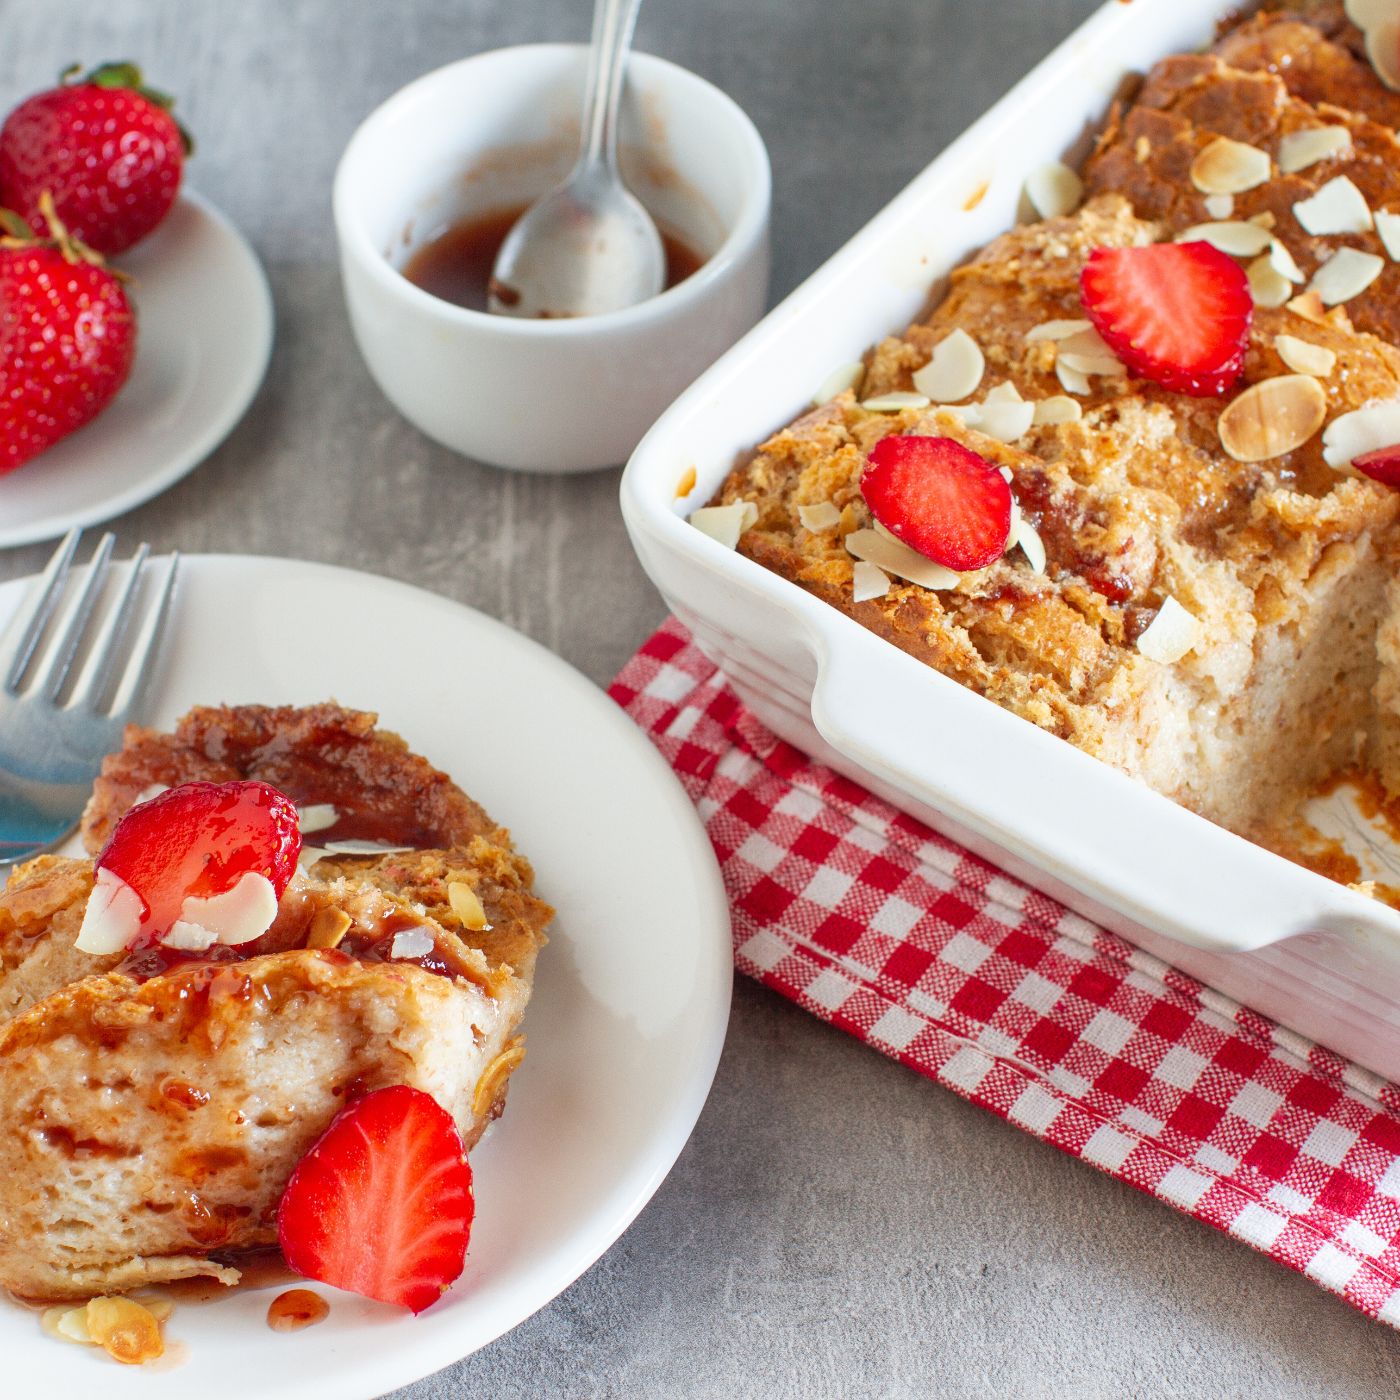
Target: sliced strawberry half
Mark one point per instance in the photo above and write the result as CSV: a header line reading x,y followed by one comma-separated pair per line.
x,y
1175,313
1382,465
177,866
382,1204
940,498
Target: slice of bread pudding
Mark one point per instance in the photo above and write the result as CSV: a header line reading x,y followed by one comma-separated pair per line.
x,y
153,1104
1246,521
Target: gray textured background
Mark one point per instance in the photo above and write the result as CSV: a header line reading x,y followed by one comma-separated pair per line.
x,y
837,1226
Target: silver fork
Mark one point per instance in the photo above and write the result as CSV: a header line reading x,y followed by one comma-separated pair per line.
x,y
75,665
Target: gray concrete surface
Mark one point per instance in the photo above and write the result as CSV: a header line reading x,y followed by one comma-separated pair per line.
x,y
837,1226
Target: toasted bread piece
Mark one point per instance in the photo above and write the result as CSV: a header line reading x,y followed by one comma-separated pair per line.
x,y
153,1105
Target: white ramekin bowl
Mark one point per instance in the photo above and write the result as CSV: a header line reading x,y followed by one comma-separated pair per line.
x,y
496,130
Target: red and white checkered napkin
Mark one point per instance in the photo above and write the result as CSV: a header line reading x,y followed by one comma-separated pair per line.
x,y
864,916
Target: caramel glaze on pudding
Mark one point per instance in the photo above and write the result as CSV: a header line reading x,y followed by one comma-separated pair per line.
x,y
1287,564
152,1106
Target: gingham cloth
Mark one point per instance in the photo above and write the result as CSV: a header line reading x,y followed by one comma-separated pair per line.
x,y
873,922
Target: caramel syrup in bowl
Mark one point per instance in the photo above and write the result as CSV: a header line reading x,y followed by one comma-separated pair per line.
x,y
456,265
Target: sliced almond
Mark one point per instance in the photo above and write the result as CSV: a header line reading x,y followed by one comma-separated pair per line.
x,y
1219,206
1058,408
1388,226
1272,417
968,414
1054,190
1368,429
1057,330
1366,14
66,1324
1073,381
1309,306
724,524
895,557
896,402
1088,352
467,906
1171,634
1300,149
316,816
1028,538
125,1330
1229,167
836,383
1383,49
954,371
1267,285
1007,420
868,582
160,1308
1006,474
489,1086
819,518
1236,237
1284,263
1005,392
1264,218
1304,357
328,928
1346,274
1338,207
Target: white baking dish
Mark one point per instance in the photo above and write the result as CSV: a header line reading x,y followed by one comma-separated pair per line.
x,y
1317,957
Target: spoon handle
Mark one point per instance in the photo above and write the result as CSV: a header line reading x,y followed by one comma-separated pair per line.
x,y
613,23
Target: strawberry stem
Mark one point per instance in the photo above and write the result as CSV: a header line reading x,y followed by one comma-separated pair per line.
x,y
15,232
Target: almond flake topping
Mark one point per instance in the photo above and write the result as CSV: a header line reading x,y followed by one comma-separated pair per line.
x,y
896,402
1236,237
1219,206
1025,534
954,371
836,383
1074,381
1338,207
466,905
1229,167
1366,14
316,816
897,558
820,517
411,943
1272,417
1347,273
1267,285
1383,49
1088,352
1058,408
1388,226
1304,357
1171,634
1006,419
1284,263
1057,330
724,524
868,582
1309,306
1363,430
1300,149
1054,190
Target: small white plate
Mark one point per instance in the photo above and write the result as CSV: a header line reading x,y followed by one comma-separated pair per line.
x,y
631,1000
203,337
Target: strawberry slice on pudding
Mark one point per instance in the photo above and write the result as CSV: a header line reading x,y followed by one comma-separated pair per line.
x,y
200,864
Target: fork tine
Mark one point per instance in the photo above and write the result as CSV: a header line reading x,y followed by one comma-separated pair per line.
x,y
143,650
101,666
27,626
57,661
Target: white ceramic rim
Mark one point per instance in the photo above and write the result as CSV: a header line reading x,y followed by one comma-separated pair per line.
x,y
240,396
748,228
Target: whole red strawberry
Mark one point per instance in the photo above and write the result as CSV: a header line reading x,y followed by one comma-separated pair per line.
x,y
67,338
105,147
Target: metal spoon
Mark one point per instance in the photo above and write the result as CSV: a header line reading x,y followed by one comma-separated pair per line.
x,y
588,246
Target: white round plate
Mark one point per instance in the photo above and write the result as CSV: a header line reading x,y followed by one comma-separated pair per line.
x,y
630,1004
203,337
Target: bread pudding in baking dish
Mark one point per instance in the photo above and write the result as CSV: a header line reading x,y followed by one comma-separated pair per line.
x,y
163,1079
1133,475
